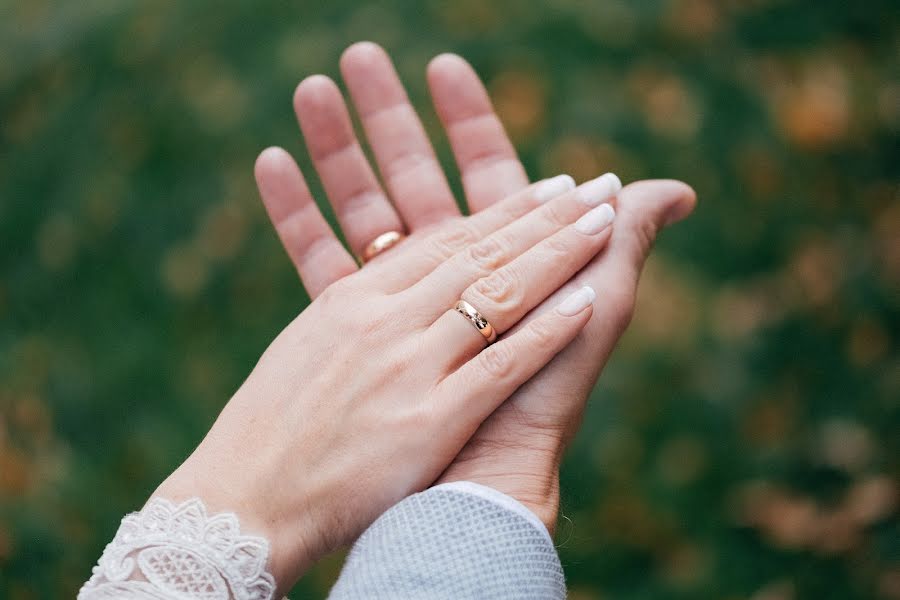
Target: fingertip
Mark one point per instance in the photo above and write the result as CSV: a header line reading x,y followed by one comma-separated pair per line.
x,y
272,155
686,204
580,301
671,200
371,78
275,160
448,60
268,162
280,182
315,92
616,183
362,55
457,90
448,67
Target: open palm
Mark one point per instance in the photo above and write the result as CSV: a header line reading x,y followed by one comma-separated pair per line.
x,y
518,449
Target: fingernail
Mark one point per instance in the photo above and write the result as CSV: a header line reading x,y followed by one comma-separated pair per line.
x,y
600,189
596,220
553,187
577,302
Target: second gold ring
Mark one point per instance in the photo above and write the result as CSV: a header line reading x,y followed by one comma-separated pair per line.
x,y
476,318
383,242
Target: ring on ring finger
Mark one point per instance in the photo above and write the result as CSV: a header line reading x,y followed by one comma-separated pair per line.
x,y
380,244
477,320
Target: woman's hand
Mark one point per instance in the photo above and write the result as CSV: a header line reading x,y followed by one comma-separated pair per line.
x,y
518,448
369,393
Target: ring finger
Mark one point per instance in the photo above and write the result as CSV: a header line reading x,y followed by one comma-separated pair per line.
x,y
361,206
509,293
508,241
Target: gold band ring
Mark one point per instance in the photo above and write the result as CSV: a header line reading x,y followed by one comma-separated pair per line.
x,y
475,318
385,241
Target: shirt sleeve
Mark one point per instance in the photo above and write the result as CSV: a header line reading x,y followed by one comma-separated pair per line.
x,y
169,550
457,541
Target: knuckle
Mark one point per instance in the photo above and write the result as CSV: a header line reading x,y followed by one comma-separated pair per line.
x,y
488,254
554,216
496,361
542,333
556,248
452,240
498,289
509,211
646,236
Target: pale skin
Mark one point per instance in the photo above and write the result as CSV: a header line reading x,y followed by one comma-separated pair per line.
x,y
378,389
369,394
517,450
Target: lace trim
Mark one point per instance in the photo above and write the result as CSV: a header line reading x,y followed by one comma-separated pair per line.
x,y
169,551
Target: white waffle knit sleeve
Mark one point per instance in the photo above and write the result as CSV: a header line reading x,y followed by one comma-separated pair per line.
x,y
457,541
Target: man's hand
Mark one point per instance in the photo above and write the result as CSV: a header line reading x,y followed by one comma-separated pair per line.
x,y
518,449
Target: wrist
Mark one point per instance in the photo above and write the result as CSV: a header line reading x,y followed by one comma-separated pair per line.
x,y
290,534
528,474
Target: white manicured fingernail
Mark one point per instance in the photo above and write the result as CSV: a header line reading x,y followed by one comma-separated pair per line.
x,y
595,220
553,187
600,189
577,302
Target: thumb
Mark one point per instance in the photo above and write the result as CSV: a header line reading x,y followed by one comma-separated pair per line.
x,y
643,209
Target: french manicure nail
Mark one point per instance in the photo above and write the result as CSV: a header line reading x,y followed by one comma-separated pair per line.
x,y
577,302
596,220
600,189
553,187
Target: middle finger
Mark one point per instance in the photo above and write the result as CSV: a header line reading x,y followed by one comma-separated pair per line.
x,y
360,204
446,283
408,165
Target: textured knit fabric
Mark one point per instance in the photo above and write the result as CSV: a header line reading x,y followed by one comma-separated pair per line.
x,y
458,541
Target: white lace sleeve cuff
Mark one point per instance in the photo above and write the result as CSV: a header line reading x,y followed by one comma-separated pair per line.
x,y
169,551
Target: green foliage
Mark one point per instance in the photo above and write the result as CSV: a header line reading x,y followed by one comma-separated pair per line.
x,y
743,442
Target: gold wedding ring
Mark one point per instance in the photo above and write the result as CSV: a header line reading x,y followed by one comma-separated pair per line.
x,y
475,318
385,241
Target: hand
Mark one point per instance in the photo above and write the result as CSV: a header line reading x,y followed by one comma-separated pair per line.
x,y
517,450
372,390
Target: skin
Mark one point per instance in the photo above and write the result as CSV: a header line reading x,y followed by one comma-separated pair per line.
x,y
518,449
370,393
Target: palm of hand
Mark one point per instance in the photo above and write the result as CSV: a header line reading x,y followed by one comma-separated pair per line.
x,y
518,448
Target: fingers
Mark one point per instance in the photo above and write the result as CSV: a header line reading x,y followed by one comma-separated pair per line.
x,y
408,264
487,161
404,154
643,209
481,384
510,292
318,255
505,296
361,206
474,265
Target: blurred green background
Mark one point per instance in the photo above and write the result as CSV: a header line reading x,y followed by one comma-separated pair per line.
x,y
742,444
